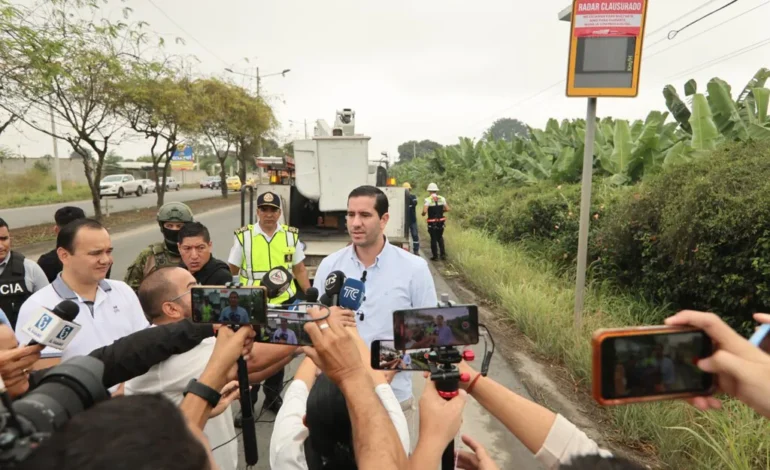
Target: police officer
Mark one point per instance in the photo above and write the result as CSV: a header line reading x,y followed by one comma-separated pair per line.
x,y
171,218
19,277
412,218
256,250
435,206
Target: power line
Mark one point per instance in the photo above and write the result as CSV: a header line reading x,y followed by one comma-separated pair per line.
x,y
720,59
682,17
186,32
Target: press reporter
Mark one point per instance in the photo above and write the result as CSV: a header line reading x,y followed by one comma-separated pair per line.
x,y
15,362
376,444
148,431
742,369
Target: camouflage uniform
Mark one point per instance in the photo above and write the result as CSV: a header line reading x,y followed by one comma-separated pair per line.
x,y
158,255
151,258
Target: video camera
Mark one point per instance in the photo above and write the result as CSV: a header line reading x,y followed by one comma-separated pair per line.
x,y
64,391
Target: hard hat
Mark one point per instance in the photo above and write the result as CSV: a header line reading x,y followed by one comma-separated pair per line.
x,y
407,185
432,187
175,212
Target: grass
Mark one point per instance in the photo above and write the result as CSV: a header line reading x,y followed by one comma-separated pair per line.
x,y
35,188
540,302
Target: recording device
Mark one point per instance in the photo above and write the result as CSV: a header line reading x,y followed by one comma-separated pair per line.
x,y
417,328
332,287
64,391
650,363
276,281
229,305
761,338
54,328
386,357
311,295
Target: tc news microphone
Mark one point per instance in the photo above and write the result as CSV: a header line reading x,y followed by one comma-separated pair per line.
x,y
352,294
54,328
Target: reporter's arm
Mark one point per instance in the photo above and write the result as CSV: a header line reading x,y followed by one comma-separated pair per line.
x,y
264,355
264,374
134,355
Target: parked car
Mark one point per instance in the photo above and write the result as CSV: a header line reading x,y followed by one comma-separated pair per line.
x,y
172,184
233,183
119,185
216,184
148,186
208,181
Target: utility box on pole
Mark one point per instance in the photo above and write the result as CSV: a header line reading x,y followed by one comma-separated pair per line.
x,y
605,58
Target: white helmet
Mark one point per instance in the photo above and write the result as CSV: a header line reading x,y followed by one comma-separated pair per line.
x,y
432,187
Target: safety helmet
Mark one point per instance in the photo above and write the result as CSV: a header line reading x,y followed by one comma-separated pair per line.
x,y
432,187
407,186
175,212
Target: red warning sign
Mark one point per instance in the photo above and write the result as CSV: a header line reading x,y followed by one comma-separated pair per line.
x,y
608,19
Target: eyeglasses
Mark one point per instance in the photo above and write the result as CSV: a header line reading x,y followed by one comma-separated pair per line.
x,y
180,295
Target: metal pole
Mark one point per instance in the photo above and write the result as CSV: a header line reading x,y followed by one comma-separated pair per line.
x,y
55,152
305,128
585,209
259,137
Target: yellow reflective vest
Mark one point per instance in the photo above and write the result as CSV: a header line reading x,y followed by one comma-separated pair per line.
x,y
260,256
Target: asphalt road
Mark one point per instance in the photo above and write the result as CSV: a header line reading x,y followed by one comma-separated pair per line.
x,y
507,450
34,215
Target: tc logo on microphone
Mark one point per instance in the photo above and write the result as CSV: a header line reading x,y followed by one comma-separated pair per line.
x,y
43,322
351,292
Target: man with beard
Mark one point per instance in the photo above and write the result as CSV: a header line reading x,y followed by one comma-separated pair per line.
x,y
171,218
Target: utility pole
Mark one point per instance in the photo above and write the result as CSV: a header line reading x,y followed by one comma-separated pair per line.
x,y
55,152
259,137
305,128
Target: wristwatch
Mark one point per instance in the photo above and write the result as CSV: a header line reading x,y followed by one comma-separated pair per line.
x,y
203,391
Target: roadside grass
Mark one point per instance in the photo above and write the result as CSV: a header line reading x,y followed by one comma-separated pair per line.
x,y
540,302
35,188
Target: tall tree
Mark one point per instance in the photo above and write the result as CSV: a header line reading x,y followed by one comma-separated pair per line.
x,y
159,107
72,66
506,129
409,150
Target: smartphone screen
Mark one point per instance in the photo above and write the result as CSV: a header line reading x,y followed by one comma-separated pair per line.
x,y
229,306
386,357
428,327
654,364
761,338
285,328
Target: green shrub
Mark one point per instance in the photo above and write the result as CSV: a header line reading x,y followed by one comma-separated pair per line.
x,y
698,235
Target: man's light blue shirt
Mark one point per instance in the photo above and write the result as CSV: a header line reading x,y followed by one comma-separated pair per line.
x,y
397,280
239,314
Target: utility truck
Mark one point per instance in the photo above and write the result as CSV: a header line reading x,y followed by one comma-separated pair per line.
x,y
327,168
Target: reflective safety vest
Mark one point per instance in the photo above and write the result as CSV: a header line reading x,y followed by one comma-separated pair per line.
x,y
435,208
260,256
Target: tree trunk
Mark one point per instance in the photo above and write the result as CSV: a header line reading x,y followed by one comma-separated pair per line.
x,y
159,193
223,178
93,177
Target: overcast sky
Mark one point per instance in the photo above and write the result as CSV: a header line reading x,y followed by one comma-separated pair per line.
x,y
428,69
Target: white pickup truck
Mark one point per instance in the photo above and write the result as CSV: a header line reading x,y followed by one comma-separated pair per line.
x,y
119,185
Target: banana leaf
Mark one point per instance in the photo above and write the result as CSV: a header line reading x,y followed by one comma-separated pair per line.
x,y
760,133
567,167
680,153
705,134
691,87
761,98
618,161
725,111
678,108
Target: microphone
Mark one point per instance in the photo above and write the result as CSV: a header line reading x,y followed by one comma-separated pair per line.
x,y
352,294
277,281
311,295
54,328
333,286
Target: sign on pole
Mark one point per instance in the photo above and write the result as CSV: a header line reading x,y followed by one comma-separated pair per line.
x,y
182,158
606,48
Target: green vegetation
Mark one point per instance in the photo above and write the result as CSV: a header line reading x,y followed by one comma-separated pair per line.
x,y
37,187
679,217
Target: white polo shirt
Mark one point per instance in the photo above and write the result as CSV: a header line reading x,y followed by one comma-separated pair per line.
x,y
115,313
170,378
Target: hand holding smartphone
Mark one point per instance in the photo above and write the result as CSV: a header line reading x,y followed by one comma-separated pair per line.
x,y
642,364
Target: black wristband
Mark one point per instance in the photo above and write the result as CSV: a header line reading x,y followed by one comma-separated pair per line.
x,y
203,391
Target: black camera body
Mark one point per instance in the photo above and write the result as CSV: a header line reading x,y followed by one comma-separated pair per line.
x,y
64,391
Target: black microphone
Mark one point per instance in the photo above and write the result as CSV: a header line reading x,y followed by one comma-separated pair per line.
x,y
333,286
276,281
311,295
66,310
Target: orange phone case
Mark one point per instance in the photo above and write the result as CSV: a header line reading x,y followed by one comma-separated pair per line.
x,y
596,374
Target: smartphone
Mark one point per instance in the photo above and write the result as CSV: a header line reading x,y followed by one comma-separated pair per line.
x,y
641,364
284,328
761,338
386,357
229,306
440,326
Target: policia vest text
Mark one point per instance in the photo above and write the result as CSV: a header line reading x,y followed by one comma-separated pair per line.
x,y
13,289
260,256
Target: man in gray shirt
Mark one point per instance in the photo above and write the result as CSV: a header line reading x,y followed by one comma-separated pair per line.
x,y
19,277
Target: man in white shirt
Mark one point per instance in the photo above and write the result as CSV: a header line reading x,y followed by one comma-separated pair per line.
x,y
395,279
284,335
109,310
165,297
